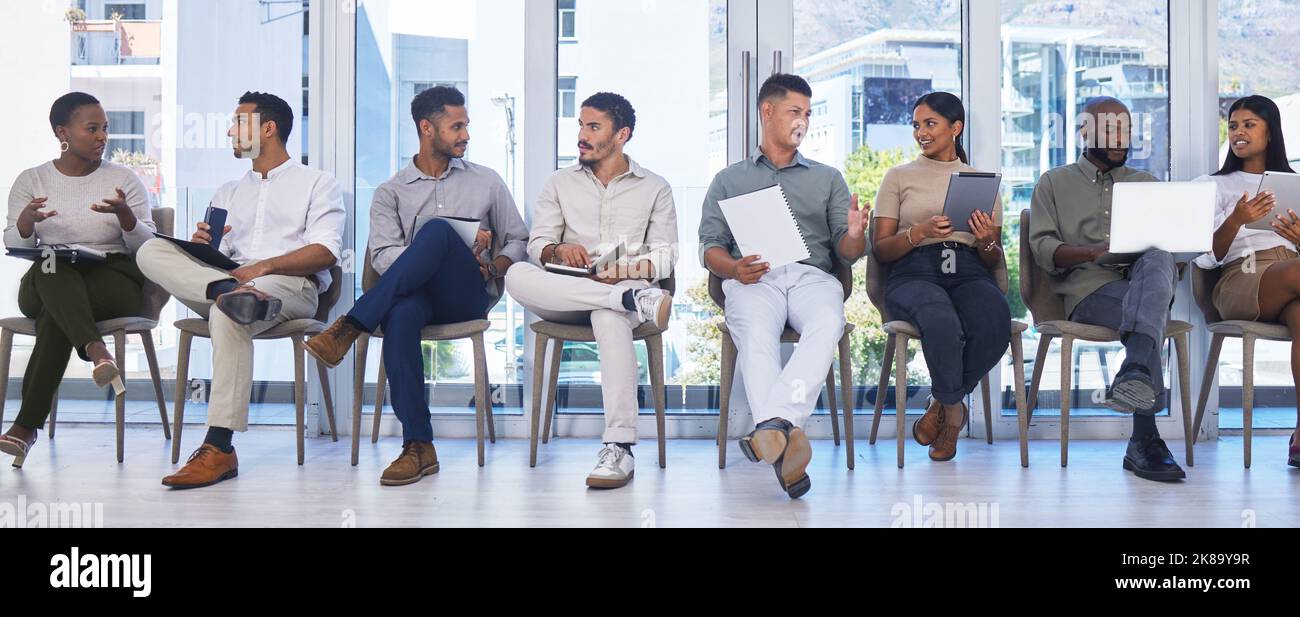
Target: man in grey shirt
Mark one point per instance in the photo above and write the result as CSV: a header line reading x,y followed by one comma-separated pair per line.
x,y
761,300
1069,230
430,276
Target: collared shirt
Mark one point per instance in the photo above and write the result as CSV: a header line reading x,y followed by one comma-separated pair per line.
x,y
291,208
1229,189
464,190
817,193
1072,205
636,208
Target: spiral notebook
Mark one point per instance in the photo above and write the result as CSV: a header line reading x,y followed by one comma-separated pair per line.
x,y
763,224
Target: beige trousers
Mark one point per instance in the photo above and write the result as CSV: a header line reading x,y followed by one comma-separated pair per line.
x,y
187,279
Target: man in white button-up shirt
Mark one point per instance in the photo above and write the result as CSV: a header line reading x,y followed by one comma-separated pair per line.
x,y
584,212
285,230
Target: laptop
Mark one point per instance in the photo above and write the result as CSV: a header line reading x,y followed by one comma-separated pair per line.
x,y
1177,217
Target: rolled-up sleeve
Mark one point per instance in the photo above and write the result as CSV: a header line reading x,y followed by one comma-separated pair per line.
x,y
387,238
661,234
508,229
1044,228
326,216
548,222
138,200
837,214
714,231
19,196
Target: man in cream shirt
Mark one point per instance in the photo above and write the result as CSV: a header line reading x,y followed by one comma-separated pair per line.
x,y
285,230
584,212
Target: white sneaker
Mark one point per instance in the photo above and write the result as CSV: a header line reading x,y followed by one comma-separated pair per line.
x,y
614,470
654,305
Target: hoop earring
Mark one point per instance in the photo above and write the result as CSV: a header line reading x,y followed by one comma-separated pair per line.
x,y
64,146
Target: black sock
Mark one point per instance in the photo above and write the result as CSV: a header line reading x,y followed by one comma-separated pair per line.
x,y
220,438
217,289
1144,426
629,300
352,321
1138,349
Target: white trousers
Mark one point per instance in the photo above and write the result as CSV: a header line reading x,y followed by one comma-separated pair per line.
x,y
580,301
811,301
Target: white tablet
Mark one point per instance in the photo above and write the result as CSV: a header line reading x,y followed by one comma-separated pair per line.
x,y
1286,188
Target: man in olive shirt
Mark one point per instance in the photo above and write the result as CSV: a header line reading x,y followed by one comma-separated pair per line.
x,y
761,301
1069,230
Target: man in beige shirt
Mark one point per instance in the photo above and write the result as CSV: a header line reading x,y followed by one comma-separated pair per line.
x,y
583,213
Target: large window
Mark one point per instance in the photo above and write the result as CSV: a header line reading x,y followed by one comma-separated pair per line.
x,y
169,99
403,48
669,59
867,68
1258,56
1056,56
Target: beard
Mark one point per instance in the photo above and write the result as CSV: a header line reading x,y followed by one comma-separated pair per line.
x,y
1103,155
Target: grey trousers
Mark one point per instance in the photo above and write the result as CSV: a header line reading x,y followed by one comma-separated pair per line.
x,y
1138,304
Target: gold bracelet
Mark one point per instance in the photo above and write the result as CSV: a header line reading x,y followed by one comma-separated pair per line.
x,y
908,233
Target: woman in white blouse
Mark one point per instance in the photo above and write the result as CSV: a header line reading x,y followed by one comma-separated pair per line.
x,y
1260,278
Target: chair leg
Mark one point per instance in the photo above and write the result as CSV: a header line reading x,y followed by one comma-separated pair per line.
x,y
988,409
299,396
54,417
487,395
727,379
830,403
900,391
655,353
1105,367
358,384
1018,369
1247,393
481,401
539,369
6,353
1031,402
146,338
1185,391
119,401
886,365
1207,382
1067,344
380,388
328,398
846,396
552,390
182,383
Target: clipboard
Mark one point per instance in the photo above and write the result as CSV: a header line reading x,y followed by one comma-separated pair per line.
x,y
204,253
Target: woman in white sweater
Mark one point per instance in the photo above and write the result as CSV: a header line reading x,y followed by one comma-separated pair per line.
x,y
1260,272
76,199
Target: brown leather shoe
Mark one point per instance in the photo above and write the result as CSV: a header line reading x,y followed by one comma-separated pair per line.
x,y
331,345
944,447
417,461
207,466
926,428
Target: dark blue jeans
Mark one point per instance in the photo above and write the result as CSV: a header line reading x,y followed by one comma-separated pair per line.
x,y
436,281
963,317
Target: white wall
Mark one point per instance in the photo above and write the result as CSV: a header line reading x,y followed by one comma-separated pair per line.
x,y
42,68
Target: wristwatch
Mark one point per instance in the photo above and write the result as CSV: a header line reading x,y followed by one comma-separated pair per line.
x,y
492,270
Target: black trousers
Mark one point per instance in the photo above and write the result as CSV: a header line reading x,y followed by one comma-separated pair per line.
x,y
950,296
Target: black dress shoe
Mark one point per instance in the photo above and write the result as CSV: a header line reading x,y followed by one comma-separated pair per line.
x,y
1149,458
1133,391
784,446
246,306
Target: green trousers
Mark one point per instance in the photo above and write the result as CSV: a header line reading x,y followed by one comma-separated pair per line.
x,y
66,303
